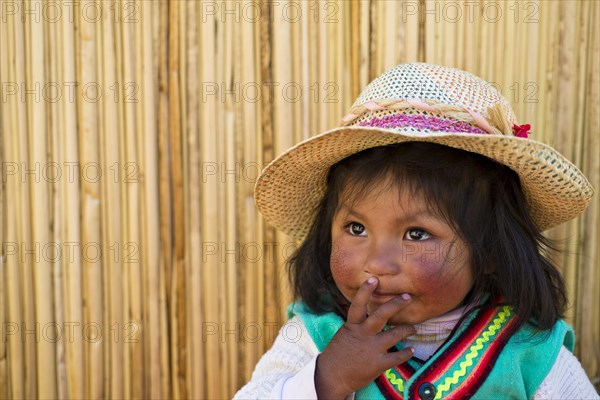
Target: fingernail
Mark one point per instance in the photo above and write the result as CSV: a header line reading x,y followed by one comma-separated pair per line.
x,y
372,280
412,350
406,296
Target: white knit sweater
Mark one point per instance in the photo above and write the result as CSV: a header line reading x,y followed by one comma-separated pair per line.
x,y
287,370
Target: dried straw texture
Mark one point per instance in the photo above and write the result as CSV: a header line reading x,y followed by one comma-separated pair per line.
x,y
134,262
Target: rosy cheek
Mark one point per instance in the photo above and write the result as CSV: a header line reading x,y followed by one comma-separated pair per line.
x,y
431,256
437,271
432,269
428,275
340,267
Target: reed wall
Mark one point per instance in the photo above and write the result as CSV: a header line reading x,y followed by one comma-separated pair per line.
x,y
134,263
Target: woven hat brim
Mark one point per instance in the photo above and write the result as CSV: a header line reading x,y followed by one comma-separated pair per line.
x,y
290,188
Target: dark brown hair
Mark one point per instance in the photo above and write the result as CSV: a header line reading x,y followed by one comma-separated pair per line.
x,y
480,199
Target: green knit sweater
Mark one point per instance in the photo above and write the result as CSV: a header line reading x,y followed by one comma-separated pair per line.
x,y
484,359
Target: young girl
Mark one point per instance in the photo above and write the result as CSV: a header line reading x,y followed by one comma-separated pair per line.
x,y
422,272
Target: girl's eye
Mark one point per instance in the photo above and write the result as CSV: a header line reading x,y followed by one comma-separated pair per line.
x,y
355,229
417,234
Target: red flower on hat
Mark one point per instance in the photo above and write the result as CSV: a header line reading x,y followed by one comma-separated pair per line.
x,y
521,130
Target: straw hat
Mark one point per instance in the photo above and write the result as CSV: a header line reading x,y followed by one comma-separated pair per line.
x,y
425,103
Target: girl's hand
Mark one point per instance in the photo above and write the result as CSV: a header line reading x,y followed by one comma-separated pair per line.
x,y
357,354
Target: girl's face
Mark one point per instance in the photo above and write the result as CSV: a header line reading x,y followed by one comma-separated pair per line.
x,y
393,236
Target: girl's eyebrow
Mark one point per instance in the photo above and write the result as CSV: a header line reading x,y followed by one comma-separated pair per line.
x,y
420,214
351,212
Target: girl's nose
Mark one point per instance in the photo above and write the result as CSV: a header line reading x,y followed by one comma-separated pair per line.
x,y
383,259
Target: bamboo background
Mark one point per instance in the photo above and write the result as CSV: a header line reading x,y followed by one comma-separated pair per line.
x,y
134,263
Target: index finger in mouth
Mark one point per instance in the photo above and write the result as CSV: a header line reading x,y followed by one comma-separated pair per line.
x,y
379,318
358,308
